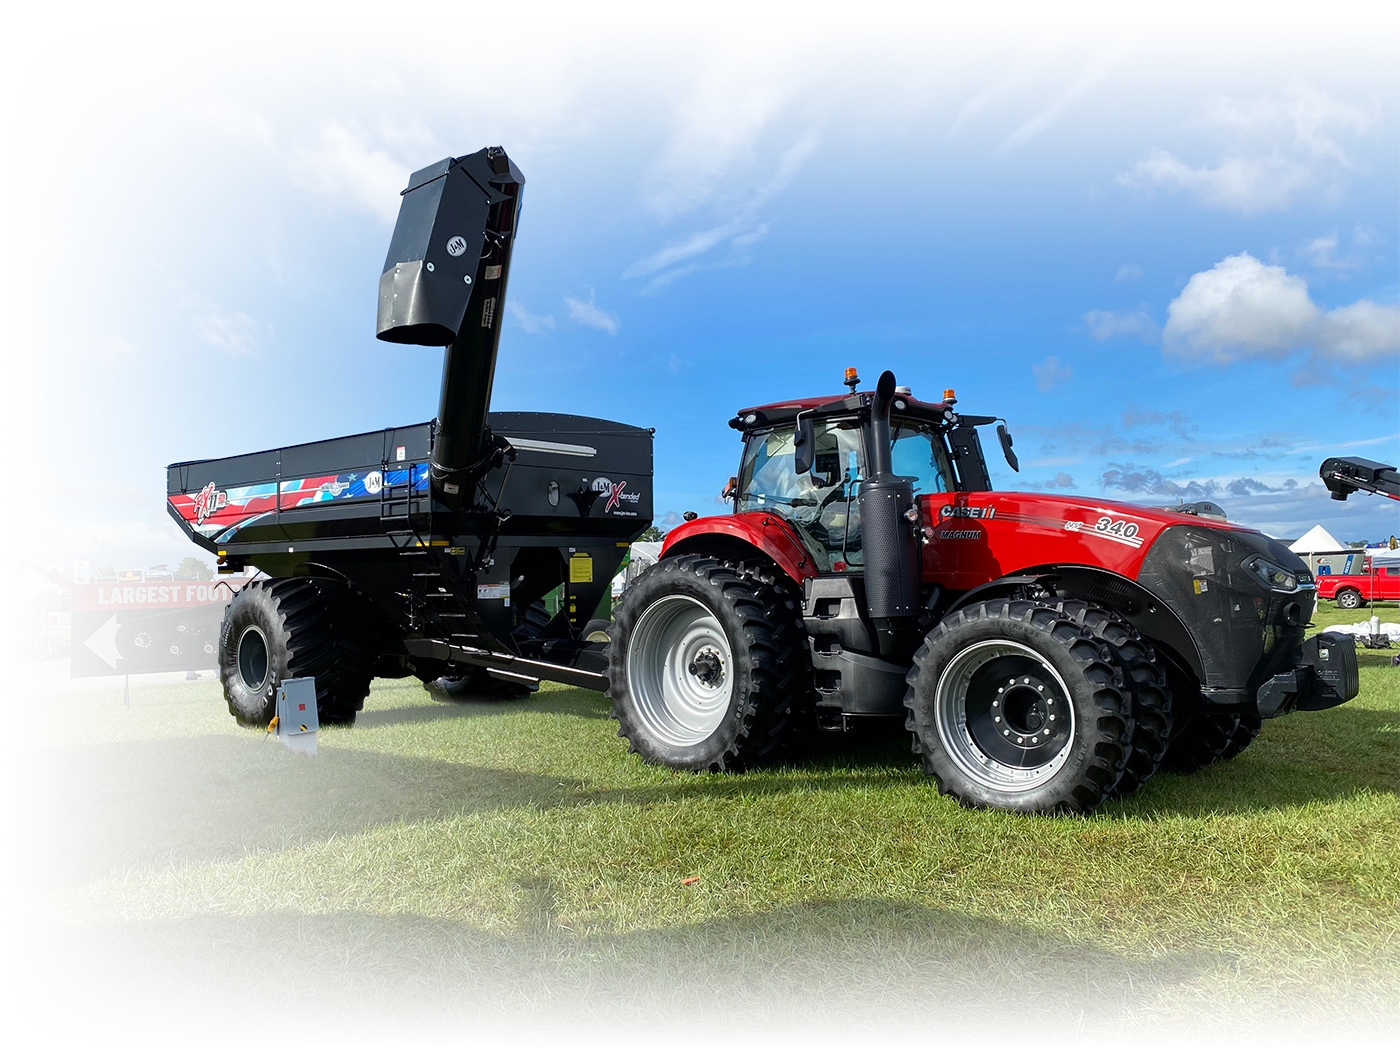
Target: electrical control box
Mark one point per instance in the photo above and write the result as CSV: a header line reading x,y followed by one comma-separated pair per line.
x,y
297,721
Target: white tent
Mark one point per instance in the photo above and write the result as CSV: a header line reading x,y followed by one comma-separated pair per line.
x,y
1317,540
1384,556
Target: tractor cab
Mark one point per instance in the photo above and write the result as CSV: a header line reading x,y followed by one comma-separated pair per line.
x,y
805,461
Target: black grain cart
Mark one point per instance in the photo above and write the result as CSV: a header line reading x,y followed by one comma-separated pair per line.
x,y
425,550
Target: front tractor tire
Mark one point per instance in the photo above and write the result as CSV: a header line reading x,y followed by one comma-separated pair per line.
x,y
704,665
1013,705
296,628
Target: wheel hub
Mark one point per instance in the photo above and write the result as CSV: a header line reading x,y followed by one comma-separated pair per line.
x,y
708,667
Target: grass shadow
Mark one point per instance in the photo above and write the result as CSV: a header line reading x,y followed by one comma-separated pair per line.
x,y
865,972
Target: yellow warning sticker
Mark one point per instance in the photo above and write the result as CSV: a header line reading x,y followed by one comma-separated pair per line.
x,y
580,568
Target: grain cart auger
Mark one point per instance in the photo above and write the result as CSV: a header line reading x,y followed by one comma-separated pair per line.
x,y
425,550
1046,652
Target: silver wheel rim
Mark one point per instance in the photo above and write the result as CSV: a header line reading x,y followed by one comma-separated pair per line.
x,y
1004,716
680,671
254,659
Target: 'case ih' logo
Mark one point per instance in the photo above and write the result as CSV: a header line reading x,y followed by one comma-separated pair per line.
x,y
207,502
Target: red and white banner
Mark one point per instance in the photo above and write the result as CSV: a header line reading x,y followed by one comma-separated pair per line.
x,y
179,594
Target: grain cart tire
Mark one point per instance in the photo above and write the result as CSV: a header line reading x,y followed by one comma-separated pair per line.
x,y
1146,681
1349,598
295,628
1013,705
595,631
701,665
478,685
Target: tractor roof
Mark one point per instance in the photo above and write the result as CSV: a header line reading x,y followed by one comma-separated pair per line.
x,y
905,405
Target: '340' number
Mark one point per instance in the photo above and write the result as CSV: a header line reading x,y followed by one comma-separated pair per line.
x,y
1126,529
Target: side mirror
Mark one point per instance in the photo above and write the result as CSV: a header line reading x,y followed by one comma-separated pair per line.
x,y
730,488
802,446
1004,437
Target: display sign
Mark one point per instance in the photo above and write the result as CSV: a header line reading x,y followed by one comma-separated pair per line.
x,y
134,627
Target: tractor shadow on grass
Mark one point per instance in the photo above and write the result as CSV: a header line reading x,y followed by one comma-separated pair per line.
x,y
816,968
430,707
95,809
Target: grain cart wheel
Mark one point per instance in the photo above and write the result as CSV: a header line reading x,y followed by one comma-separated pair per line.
x,y
476,684
1146,681
702,665
595,631
277,629
1349,598
1015,706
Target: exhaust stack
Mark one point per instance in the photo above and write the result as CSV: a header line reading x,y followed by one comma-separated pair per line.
x,y
891,549
444,284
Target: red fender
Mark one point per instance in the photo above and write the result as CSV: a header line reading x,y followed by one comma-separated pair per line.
x,y
768,533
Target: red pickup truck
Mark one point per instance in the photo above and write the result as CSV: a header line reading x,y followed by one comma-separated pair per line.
x,y
1354,591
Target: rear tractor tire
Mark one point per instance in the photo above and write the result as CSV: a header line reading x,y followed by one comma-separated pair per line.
x,y
296,628
705,665
1013,705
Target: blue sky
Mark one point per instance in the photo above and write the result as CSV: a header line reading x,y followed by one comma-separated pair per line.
x,y
1164,246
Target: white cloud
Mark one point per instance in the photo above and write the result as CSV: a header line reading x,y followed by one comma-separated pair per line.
x,y
342,165
534,324
108,347
368,79
1243,308
28,475
1050,373
517,72
161,69
55,242
746,74
1107,324
591,316
410,139
1128,272
233,121
236,334
1278,149
1122,46
151,66
1042,44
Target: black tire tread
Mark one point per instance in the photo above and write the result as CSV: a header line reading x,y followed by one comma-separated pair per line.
x,y
1111,733
1146,681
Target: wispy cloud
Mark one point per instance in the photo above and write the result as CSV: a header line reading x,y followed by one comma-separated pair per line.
x,y
1122,46
368,79
1051,373
748,72
56,242
1128,272
522,74
1040,45
937,56
341,164
590,315
237,334
108,347
28,475
1279,148
234,122
1108,324
534,324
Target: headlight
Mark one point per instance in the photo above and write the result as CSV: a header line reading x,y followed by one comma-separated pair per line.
x,y
1274,577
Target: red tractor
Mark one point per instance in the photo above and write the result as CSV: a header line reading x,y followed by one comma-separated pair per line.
x,y
1046,652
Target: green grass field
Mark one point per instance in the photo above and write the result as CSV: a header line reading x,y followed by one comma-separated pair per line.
x,y
489,859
